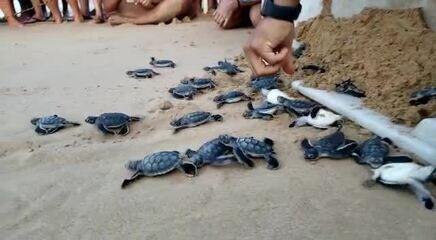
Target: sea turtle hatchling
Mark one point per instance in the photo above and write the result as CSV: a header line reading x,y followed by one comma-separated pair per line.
x,y
265,111
348,87
265,82
199,83
334,146
272,95
300,107
422,96
194,119
312,69
375,153
225,67
318,118
213,153
51,124
113,123
183,91
248,147
230,97
156,164
141,73
162,63
408,174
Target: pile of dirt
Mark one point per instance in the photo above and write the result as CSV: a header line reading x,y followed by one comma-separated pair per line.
x,y
388,53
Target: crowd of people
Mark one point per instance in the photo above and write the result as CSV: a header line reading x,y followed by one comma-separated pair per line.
x,y
267,50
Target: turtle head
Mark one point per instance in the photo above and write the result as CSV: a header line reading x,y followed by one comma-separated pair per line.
x,y
153,59
310,153
227,139
433,176
281,99
34,121
194,157
247,114
91,119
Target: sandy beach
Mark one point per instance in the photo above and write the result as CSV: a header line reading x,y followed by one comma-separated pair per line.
x,y
67,185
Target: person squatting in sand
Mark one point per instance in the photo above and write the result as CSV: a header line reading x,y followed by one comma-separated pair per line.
x,y
142,12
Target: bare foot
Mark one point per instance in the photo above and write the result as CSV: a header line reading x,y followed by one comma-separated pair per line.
x,y
224,12
116,20
98,19
78,18
12,22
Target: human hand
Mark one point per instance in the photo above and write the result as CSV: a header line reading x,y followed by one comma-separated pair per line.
x,y
269,47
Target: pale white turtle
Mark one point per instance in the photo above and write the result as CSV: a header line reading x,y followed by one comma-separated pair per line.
x,y
318,118
273,94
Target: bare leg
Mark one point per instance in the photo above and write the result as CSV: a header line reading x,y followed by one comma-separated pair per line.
x,y
163,12
54,9
6,7
255,15
39,15
84,8
98,11
228,14
76,12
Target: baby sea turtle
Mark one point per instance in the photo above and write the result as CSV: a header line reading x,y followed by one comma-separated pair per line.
x,y
265,111
141,73
230,97
411,175
299,107
212,153
162,63
273,95
334,146
423,96
224,67
199,83
249,147
194,119
183,91
298,49
312,69
113,123
318,118
51,124
265,82
375,153
348,87
157,164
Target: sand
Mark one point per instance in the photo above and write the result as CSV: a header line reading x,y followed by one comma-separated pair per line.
x,y
388,53
67,185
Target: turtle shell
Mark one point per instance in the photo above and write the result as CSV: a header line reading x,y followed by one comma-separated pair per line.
x,y
50,122
264,82
194,118
330,142
113,120
184,90
141,73
373,151
156,163
212,149
253,146
232,95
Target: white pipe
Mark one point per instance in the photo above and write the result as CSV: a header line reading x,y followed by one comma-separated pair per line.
x,y
353,109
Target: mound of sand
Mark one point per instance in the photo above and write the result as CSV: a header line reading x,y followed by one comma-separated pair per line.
x,y
388,53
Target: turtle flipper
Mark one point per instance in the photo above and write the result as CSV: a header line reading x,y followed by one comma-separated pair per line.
x,y
421,193
72,124
397,159
219,105
268,141
53,130
130,179
346,149
273,163
135,118
41,131
217,118
124,130
34,121
299,122
242,158
223,160
177,129
103,129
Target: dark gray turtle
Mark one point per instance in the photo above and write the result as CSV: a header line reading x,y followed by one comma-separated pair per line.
x,y
113,123
423,96
141,73
312,69
246,148
334,146
348,87
298,49
265,111
183,91
194,119
300,107
265,82
375,153
224,67
408,174
199,83
51,124
230,97
211,153
162,63
157,164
